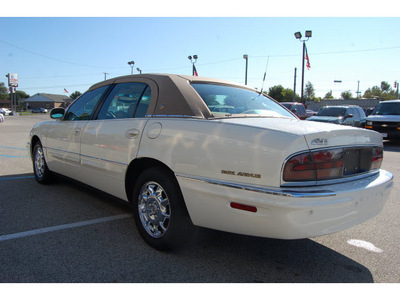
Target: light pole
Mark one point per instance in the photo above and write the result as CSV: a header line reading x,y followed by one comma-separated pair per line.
x,y
193,61
246,57
298,36
140,71
131,64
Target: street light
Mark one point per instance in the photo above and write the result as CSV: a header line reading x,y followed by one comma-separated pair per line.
x,y
131,64
193,61
140,71
246,57
298,36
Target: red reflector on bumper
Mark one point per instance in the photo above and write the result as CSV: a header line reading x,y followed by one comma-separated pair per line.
x,y
243,207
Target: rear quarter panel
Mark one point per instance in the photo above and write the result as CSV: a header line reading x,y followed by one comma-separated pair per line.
x,y
216,150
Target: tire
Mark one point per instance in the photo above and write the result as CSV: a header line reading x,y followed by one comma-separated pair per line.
x,y
159,210
41,171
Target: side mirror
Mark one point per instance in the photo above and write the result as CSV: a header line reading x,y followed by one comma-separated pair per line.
x,y
57,113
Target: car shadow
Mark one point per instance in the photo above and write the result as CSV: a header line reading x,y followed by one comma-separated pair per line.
x,y
210,257
262,260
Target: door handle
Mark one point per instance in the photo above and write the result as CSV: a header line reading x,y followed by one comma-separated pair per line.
x,y
76,131
132,133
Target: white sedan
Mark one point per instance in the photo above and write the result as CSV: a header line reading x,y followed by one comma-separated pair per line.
x,y
188,151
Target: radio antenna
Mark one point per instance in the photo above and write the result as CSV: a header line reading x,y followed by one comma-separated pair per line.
x,y
265,73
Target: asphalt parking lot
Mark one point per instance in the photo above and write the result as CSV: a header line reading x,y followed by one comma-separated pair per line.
x,y
67,232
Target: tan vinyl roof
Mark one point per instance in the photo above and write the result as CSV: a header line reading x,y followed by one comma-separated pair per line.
x,y
173,93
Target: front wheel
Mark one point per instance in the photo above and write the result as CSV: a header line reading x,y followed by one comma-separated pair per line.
x,y
159,210
40,169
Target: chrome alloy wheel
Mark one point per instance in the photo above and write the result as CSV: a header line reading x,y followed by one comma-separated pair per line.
x,y
154,209
39,162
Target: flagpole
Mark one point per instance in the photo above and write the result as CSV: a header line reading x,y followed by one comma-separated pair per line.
x,y
302,73
298,36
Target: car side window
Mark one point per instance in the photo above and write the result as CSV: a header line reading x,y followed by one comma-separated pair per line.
x,y
83,108
144,104
300,109
123,101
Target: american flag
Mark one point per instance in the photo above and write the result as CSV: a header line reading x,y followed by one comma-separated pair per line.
x,y
65,90
195,71
308,65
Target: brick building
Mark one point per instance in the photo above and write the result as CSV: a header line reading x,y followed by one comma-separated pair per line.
x,y
48,101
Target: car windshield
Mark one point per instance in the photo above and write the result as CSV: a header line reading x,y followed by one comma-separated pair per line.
x,y
390,108
331,112
227,101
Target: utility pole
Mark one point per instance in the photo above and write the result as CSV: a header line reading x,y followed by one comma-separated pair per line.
x,y
131,64
294,87
246,57
358,90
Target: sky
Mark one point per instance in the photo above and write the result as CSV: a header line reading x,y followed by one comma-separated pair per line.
x,y
73,49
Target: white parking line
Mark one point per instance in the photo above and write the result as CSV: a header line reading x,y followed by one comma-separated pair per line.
x,y
61,227
366,245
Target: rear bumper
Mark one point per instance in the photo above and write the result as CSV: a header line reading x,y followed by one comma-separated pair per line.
x,y
285,213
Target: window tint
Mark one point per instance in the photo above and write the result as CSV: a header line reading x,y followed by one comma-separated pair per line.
x,y
123,100
144,104
300,109
332,111
225,101
83,108
388,108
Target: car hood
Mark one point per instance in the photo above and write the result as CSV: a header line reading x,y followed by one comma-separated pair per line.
x,y
386,118
316,134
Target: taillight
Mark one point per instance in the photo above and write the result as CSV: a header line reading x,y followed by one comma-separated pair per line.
x,y
332,163
317,165
377,157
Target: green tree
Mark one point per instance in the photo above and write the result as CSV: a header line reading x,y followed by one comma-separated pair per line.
x,y
384,92
3,91
309,92
276,92
75,95
328,95
385,87
280,94
346,95
21,95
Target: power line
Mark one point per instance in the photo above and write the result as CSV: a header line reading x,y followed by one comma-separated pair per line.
x,y
51,58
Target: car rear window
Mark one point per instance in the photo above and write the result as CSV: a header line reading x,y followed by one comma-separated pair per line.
x,y
332,112
226,101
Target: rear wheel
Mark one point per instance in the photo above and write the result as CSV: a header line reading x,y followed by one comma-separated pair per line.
x,y
159,210
40,169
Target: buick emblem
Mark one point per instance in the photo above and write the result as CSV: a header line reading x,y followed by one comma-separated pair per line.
x,y
319,142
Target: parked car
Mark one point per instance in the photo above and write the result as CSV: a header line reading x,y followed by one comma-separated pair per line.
x,y
297,108
310,113
385,119
345,115
5,111
154,140
368,111
39,110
